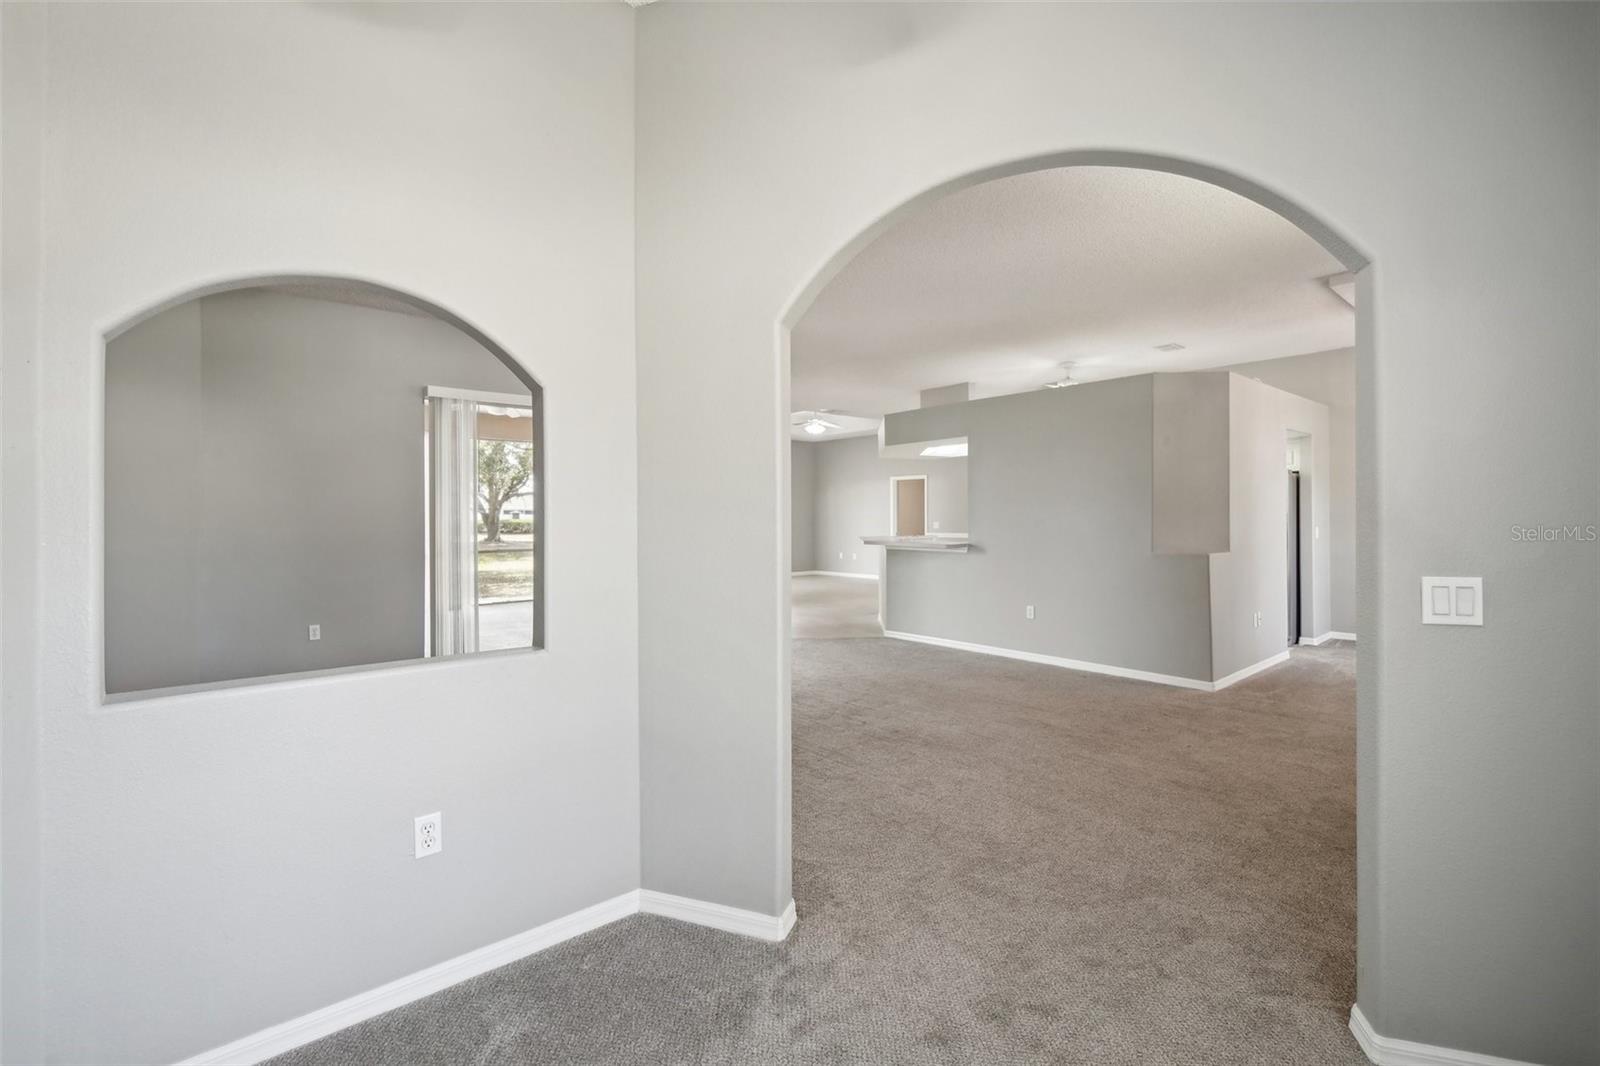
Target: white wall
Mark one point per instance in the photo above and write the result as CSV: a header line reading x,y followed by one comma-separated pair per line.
x,y
1329,378
850,500
480,157
21,152
772,136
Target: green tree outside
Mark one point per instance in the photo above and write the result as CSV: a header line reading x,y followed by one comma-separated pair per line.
x,y
504,469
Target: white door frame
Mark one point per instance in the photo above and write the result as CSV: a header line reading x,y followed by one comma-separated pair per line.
x,y
894,502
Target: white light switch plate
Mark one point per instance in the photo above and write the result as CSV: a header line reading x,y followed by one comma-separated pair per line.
x,y
1452,601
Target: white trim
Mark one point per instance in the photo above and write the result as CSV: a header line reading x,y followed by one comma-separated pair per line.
x,y
1053,660
1095,668
717,916
832,573
1387,1051
277,1039
496,399
1331,634
286,1036
1250,671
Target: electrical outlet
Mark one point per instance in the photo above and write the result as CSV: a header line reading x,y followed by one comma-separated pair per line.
x,y
841,555
936,524
429,831
313,632
1030,612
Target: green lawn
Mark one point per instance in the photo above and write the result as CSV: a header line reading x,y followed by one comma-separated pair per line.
x,y
505,575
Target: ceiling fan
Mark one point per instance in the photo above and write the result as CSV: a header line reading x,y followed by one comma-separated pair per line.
x,y
812,422
1065,381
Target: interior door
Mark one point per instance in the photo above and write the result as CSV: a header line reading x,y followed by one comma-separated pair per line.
x,y
910,507
1294,557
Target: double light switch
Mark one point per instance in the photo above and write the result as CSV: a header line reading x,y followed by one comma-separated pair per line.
x,y
1452,601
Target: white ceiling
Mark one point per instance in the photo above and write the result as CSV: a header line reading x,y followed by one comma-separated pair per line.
x,y
1001,283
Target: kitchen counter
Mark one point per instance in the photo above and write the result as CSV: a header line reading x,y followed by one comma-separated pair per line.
x,y
937,542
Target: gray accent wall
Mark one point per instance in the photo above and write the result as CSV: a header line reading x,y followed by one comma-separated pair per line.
x,y
263,473
802,506
1191,470
1329,378
960,392
1251,576
850,500
155,503
1059,483
1060,509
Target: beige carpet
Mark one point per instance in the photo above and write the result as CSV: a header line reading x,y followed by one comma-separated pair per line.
x,y
995,862
830,608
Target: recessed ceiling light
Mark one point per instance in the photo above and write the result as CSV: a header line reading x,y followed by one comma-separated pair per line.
x,y
1170,346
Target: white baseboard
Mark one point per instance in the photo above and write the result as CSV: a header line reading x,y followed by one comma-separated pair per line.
x,y
717,916
1055,660
277,1039
1250,671
1096,668
1331,634
832,573
1387,1051
1334,634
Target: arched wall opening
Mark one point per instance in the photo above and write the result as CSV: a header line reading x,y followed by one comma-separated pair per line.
x,y
340,281
310,475
1339,246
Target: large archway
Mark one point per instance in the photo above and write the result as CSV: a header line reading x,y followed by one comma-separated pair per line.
x,y
1336,244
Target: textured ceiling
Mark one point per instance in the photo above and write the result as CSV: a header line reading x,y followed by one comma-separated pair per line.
x,y
1001,283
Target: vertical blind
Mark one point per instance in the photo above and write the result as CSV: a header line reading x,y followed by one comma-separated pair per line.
x,y
453,540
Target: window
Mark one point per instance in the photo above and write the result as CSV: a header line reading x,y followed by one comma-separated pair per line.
x,y
483,536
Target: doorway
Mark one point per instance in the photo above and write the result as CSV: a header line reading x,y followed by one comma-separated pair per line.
x,y
845,693
908,505
1293,552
